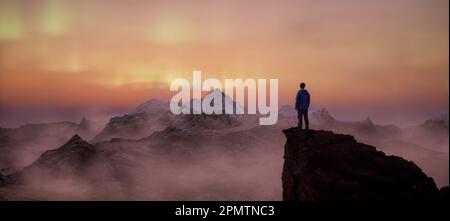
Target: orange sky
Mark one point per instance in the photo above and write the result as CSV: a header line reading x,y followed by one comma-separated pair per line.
x,y
352,53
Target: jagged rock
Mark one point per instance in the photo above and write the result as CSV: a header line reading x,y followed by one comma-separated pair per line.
x,y
213,121
84,124
321,165
135,125
73,157
367,127
206,121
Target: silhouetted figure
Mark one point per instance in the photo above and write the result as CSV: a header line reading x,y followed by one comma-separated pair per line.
x,y
302,102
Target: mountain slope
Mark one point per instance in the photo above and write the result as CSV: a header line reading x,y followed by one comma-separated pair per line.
x,y
21,146
134,125
74,157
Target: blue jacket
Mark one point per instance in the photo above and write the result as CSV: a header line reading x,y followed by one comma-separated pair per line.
x,y
302,100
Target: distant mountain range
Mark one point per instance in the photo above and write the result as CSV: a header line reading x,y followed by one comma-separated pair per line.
x,y
128,153
432,134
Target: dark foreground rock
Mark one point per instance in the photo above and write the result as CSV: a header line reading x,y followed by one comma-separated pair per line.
x,y
321,165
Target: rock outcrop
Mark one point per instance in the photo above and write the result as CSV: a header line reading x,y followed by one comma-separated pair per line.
x,y
321,165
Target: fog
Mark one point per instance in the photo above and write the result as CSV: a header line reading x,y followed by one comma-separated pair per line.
x,y
186,161
141,173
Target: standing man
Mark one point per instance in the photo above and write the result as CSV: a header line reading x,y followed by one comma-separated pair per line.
x,y
301,106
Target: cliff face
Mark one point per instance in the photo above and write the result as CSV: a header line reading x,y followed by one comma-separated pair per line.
x,y
321,165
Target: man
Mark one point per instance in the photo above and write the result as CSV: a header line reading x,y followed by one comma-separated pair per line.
x,y
301,106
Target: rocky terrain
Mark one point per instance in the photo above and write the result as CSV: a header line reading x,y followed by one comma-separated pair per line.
x,y
321,165
425,144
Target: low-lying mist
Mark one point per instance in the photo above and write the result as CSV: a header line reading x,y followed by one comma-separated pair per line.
x,y
145,173
154,155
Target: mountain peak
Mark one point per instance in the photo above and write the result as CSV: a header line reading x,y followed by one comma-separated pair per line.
x,y
212,95
83,120
217,90
84,124
225,98
73,157
151,105
75,140
368,121
322,112
322,116
321,165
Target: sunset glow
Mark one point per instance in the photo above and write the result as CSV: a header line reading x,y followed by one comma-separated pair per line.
x,y
371,56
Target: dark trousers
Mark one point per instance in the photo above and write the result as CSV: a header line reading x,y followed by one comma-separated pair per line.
x,y
303,114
